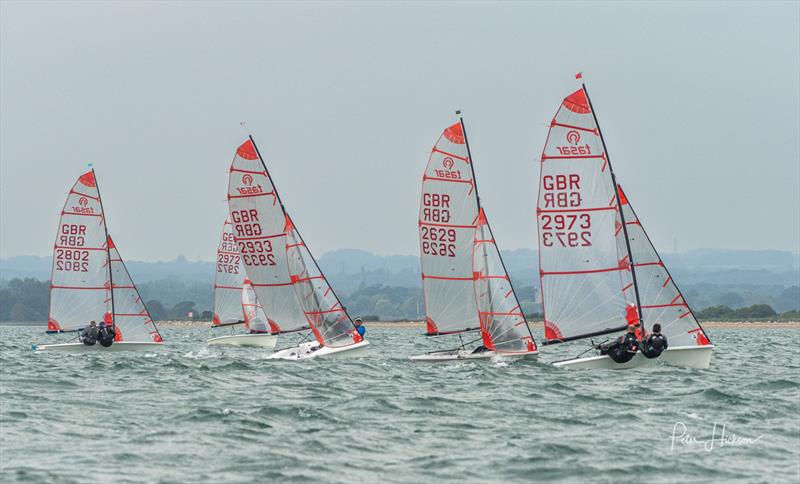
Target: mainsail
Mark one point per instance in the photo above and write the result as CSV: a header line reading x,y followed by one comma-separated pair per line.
x,y
448,215
228,280
586,279
254,318
132,321
465,283
662,301
80,283
259,227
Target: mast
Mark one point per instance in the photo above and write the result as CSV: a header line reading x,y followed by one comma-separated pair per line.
x,y
108,252
619,210
313,259
478,200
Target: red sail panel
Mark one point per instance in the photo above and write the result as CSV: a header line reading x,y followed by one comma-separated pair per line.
x,y
582,257
80,289
259,228
228,279
661,300
447,216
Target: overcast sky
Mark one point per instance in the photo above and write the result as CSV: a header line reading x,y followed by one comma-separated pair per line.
x,y
698,103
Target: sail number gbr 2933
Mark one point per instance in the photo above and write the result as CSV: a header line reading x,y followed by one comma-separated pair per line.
x,y
568,229
255,249
438,241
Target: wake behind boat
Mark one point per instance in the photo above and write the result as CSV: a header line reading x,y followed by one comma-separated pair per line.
x,y
599,271
90,282
285,276
465,283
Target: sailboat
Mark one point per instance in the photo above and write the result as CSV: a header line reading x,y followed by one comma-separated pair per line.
x,y
89,280
465,283
598,268
288,282
235,300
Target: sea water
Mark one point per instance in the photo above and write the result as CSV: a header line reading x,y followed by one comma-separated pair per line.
x,y
192,413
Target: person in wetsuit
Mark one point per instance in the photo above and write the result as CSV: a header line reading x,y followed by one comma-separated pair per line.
x,y
89,335
624,348
655,344
360,329
106,336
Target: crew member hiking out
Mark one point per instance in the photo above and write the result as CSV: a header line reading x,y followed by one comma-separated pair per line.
x,y
360,330
655,344
89,335
106,336
624,348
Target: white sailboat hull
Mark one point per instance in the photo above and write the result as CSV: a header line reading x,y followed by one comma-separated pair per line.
x,y
456,355
252,340
97,347
686,356
312,349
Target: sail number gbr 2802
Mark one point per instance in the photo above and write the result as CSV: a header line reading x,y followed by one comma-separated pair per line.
x,y
564,229
68,253
254,247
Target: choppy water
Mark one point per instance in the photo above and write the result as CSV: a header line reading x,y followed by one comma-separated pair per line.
x,y
191,414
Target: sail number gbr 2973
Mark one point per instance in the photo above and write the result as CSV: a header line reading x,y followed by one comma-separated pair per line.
x,y
438,241
255,249
567,229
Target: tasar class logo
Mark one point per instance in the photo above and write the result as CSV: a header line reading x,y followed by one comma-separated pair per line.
x,y
83,207
573,138
249,189
83,201
448,173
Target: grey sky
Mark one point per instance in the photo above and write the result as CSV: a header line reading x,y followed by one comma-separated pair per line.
x,y
698,102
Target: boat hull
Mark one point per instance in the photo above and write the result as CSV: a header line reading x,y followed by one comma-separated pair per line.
x,y
252,340
98,348
312,349
460,355
686,356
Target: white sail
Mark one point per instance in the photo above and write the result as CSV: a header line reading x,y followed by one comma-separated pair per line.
x,y
80,287
447,216
503,325
661,300
132,321
228,279
254,318
259,227
584,268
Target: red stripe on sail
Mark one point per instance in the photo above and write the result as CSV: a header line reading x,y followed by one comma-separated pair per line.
x,y
426,177
589,271
247,151
571,126
447,225
87,179
566,210
572,157
252,172
251,195
69,247
455,134
577,102
666,281
437,150
445,278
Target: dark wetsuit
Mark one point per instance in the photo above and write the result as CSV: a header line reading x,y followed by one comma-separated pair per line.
x,y
623,349
90,335
654,345
107,336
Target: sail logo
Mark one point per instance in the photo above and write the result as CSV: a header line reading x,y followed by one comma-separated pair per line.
x,y
247,179
448,173
573,138
83,207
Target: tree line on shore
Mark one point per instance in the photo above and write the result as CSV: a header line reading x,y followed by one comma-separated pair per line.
x,y
28,299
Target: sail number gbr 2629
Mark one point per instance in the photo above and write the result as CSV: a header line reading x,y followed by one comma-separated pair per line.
x,y
438,241
568,229
255,249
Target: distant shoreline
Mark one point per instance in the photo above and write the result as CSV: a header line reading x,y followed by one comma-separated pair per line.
x,y
421,324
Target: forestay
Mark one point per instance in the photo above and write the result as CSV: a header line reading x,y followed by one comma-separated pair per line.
x,y
661,300
326,316
80,288
254,318
228,279
132,321
259,228
584,268
447,217
503,326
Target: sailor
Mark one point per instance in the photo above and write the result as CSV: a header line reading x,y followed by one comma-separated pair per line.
x,y
360,330
624,348
90,334
106,335
655,343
